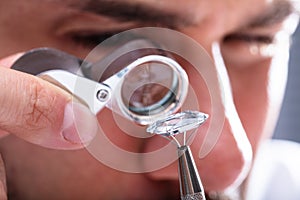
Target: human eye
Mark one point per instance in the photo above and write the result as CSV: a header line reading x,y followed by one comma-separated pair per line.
x,y
249,38
90,39
247,48
251,44
85,31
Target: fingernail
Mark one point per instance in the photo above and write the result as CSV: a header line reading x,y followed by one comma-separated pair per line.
x,y
79,125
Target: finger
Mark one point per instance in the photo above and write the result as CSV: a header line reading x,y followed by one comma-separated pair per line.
x,y
41,113
7,62
3,188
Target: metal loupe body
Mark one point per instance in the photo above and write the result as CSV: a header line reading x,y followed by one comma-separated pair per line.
x,y
142,87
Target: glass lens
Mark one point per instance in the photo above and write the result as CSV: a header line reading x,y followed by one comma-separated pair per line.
x,y
149,88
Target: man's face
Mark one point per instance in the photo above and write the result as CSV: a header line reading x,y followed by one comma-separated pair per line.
x,y
246,32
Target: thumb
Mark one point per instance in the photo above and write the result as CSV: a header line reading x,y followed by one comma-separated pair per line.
x,y
42,113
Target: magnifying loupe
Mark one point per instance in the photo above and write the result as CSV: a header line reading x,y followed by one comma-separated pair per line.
x,y
132,81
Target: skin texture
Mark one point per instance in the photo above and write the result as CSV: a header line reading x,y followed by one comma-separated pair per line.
x,y
42,163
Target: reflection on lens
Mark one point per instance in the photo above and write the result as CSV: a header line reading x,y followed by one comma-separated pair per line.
x,y
149,88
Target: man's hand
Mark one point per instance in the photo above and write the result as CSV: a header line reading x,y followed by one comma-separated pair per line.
x,y
42,113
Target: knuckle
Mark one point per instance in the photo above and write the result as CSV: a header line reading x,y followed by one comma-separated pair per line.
x,y
38,113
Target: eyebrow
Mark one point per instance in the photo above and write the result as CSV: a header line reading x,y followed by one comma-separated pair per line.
x,y
125,10
140,12
275,14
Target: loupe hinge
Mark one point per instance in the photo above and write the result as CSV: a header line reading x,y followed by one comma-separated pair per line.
x,y
189,179
95,95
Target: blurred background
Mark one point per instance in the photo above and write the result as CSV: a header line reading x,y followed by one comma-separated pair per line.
x,y
288,126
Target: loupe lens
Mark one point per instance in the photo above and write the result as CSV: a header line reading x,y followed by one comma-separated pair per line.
x,y
149,88
154,86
